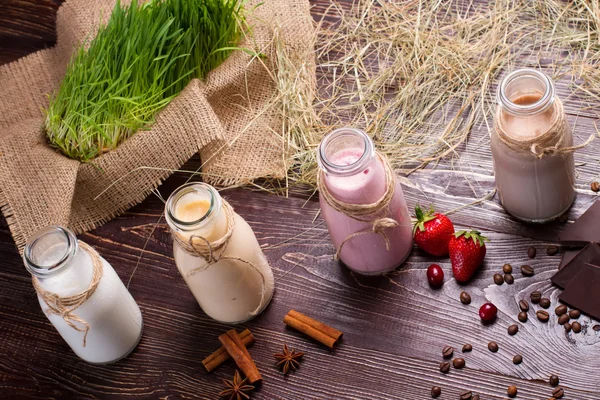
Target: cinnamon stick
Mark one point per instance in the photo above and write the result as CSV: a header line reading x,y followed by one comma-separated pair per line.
x,y
221,355
238,352
317,330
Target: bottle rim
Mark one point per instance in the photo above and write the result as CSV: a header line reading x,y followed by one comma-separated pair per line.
x,y
357,166
542,104
179,193
45,270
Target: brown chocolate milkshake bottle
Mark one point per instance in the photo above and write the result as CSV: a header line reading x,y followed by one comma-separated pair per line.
x,y
532,148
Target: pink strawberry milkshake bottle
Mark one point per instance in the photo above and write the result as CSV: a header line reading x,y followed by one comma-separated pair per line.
x,y
354,173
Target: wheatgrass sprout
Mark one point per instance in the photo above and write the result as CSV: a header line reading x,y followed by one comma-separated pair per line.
x,y
133,68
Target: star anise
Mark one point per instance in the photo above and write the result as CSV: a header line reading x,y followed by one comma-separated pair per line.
x,y
236,388
289,359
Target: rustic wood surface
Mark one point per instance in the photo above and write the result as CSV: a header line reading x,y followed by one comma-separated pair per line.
x,y
394,326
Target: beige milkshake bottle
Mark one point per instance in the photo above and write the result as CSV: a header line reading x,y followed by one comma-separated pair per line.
x,y
532,148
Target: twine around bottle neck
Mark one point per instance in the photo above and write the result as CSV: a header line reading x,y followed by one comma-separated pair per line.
x,y
549,143
214,251
369,212
65,306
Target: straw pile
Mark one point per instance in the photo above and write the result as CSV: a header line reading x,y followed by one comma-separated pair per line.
x,y
419,75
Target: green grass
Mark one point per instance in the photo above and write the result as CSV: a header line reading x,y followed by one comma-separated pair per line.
x,y
135,66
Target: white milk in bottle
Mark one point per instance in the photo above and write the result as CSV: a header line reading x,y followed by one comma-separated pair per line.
x,y
107,324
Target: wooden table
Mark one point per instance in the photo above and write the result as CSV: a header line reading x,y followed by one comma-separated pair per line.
x,y
395,326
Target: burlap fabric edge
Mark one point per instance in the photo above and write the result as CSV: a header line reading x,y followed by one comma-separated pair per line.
x,y
217,117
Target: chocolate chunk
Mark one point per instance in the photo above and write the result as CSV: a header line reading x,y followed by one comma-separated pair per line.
x,y
567,256
589,255
584,229
582,291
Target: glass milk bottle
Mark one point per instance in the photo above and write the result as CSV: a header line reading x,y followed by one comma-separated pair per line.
x,y
355,180
218,255
82,296
531,148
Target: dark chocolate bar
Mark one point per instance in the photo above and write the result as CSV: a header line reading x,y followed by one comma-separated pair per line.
x,y
589,255
567,256
582,292
584,230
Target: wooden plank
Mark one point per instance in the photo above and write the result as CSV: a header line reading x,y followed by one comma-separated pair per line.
x,y
395,326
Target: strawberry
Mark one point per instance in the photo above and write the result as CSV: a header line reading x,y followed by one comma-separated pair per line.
x,y
467,250
432,231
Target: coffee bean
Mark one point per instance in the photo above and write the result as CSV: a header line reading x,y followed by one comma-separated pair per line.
x,y
465,298
493,347
545,302
507,269
563,319
518,359
527,270
466,348
508,278
522,316
560,310
531,252
536,296
447,351
543,316
524,305
574,313
498,279
596,328
468,395
558,393
436,391
595,186
445,367
459,363
553,381
475,397
567,327
576,327
511,391
513,329
552,250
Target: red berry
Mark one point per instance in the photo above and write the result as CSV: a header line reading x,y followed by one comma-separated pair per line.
x,y
435,275
488,312
467,251
432,231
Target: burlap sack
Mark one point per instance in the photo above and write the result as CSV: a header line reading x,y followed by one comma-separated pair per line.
x,y
229,119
